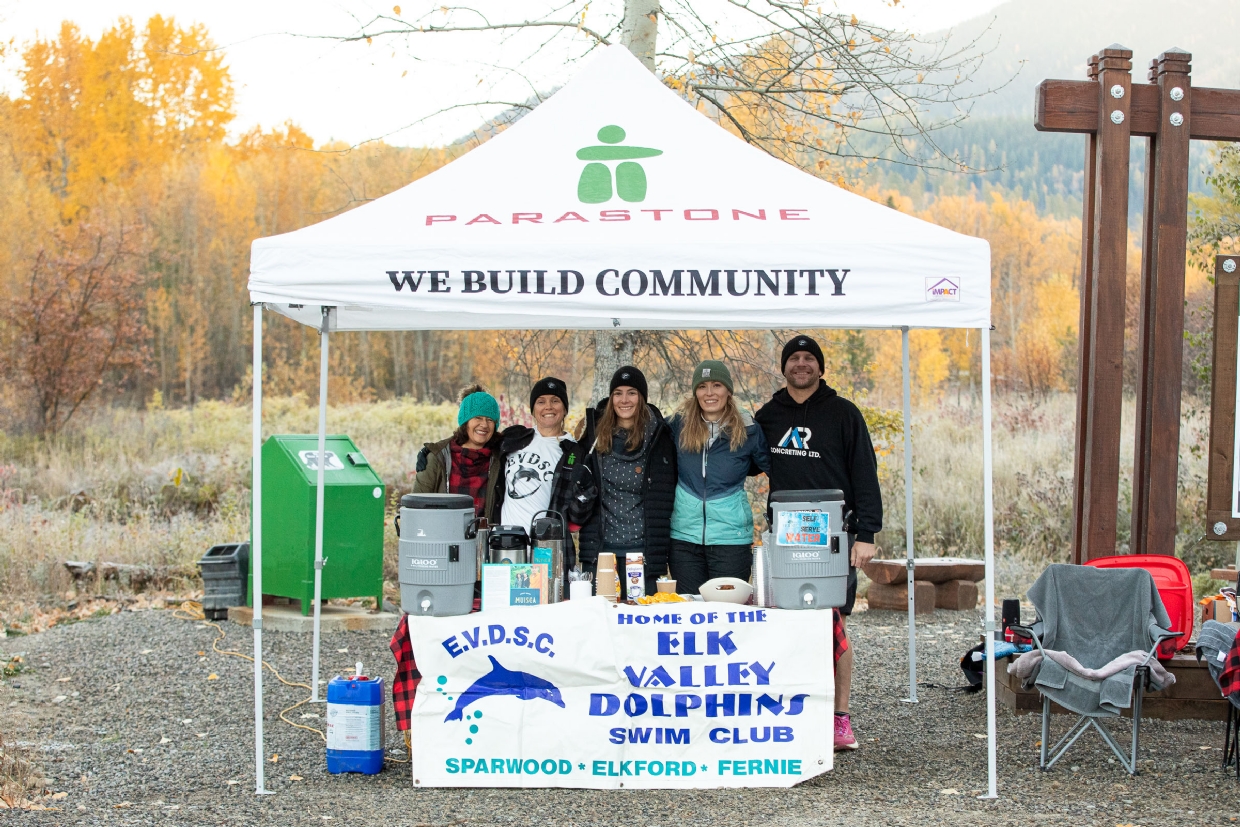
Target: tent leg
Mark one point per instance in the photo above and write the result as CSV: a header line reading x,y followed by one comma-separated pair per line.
x,y
256,551
988,495
318,505
909,553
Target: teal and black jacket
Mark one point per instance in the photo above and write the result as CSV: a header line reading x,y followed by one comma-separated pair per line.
x,y
711,508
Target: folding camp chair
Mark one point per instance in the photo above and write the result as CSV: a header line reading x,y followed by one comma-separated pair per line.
x,y
1095,616
1214,641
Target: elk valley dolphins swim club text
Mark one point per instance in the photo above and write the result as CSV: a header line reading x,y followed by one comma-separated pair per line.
x,y
693,680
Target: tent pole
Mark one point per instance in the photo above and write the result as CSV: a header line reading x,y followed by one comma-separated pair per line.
x,y
988,495
318,504
256,549
908,517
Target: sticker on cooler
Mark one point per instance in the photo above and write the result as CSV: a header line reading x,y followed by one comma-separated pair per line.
x,y
803,528
354,727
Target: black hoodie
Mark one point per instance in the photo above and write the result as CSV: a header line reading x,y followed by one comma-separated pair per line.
x,y
824,443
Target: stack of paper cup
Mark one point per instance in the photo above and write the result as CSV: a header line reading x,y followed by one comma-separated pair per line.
x,y
605,583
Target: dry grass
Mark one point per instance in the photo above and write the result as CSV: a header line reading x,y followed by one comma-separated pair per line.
x,y
21,782
161,486
1033,456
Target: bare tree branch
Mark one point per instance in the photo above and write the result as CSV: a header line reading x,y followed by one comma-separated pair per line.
x,y
815,89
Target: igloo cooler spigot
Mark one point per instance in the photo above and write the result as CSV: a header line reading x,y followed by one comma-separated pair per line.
x,y
438,554
808,549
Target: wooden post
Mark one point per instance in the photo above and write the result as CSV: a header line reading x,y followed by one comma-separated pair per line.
x,y
1161,332
1219,521
1170,118
1086,328
1098,486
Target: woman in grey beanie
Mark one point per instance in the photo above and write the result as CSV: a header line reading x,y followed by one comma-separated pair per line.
x,y
718,446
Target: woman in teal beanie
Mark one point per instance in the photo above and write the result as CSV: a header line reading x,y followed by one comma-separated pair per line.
x,y
468,461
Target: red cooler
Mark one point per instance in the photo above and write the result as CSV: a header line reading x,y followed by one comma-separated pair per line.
x,y
1175,587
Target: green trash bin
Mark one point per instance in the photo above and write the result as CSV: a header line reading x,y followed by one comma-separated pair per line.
x,y
352,520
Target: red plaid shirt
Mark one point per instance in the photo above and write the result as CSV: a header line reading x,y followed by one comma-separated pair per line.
x,y
837,632
405,685
470,471
1229,680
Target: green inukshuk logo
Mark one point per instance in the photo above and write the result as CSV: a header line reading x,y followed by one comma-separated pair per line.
x,y
594,186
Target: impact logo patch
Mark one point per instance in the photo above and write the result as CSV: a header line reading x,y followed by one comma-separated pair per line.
x,y
942,289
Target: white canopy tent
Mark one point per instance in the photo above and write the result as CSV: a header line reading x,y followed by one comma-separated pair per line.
x,y
615,205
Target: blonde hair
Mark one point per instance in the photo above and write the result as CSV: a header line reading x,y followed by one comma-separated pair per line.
x,y
693,430
608,423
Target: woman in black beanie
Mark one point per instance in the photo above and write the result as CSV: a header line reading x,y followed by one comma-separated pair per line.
x,y
632,457
542,467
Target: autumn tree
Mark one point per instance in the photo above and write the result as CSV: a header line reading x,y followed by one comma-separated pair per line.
x,y
97,117
76,323
1216,219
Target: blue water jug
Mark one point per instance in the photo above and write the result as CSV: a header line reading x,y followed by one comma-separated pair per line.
x,y
355,724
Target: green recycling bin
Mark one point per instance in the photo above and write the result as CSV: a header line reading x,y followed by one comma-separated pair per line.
x,y
352,520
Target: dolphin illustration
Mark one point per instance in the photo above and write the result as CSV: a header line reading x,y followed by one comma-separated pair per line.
x,y
501,681
524,474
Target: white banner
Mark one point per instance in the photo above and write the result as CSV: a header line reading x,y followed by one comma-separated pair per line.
x,y
584,694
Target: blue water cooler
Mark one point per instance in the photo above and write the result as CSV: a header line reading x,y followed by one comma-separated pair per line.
x,y
355,724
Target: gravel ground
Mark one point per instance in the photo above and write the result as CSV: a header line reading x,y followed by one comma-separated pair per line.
x,y
141,736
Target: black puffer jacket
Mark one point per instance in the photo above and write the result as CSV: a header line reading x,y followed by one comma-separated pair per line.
x,y
659,489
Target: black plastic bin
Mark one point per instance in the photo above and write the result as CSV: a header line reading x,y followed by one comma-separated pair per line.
x,y
225,569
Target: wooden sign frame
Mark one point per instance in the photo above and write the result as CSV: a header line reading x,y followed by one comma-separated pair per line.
x,y
1168,113
1220,479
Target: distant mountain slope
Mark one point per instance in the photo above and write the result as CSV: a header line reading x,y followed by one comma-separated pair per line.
x,y
1055,38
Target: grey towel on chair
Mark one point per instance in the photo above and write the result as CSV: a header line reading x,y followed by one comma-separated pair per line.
x,y
1214,641
1095,615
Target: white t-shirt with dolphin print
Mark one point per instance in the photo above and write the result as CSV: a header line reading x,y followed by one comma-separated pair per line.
x,y
527,479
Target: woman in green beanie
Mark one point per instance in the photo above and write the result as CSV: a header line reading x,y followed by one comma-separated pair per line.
x,y
718,446
468,461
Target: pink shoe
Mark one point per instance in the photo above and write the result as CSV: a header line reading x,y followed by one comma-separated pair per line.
x,y
844,738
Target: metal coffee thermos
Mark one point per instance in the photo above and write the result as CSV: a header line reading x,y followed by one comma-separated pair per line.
x,y
508,544
547,533
761,569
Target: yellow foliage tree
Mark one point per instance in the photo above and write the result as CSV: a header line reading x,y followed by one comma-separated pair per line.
x,y
130,129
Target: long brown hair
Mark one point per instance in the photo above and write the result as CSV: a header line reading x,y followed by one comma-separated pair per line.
x,y
608,423
693,430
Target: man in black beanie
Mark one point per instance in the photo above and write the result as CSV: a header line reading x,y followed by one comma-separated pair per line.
x,y
818,439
